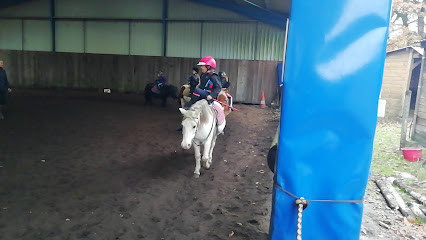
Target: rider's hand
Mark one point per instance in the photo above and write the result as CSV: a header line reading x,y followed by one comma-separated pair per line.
x,y
209,97
9,90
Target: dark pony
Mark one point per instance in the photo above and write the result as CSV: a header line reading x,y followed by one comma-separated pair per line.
x,y
165,92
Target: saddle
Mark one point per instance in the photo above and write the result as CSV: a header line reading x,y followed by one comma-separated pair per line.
x,y
155,89
220,114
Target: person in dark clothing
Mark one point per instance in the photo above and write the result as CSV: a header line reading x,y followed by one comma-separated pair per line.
x,y
224,80
159,82
210,84
4,88
225,85
194,79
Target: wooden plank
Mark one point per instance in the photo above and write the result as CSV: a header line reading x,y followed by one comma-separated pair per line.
x,y
421,121
420,130
422,101
392,93
131,73
421,114
242,82
390,83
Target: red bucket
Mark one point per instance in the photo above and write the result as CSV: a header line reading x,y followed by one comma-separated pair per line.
x,y
412,154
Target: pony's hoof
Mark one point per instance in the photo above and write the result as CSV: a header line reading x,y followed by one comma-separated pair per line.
x,y
196,175
206,164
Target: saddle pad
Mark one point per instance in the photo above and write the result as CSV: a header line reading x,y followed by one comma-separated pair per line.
x,y
220,114
155,90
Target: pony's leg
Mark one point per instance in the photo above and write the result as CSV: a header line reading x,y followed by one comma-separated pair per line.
x,y
211,149
206,154
147,97
182,103
221,128
197,160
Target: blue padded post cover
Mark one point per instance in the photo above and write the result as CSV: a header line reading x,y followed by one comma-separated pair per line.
x,y
333,73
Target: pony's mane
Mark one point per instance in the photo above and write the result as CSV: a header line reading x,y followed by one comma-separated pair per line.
x,y
196,108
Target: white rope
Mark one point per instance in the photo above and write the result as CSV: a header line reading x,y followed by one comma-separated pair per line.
x,y
301,203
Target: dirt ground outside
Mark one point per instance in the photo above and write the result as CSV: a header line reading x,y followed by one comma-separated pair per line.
x,y
89,165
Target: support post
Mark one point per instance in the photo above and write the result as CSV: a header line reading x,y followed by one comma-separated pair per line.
x,y
165,18
404,120
53,24
328,117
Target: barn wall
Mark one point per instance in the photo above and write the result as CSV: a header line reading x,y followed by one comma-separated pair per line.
x,y
395,82
135,27
131,73
419,132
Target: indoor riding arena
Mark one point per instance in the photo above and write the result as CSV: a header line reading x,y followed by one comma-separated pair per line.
x,y
78,162
86,154
90,165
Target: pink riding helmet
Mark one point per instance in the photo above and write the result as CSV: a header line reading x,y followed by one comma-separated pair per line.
x,y
207,61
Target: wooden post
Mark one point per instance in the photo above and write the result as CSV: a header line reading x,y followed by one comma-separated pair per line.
x,y
419,90
404,121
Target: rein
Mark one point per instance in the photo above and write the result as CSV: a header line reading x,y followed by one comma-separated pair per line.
x,y
233,108
211,129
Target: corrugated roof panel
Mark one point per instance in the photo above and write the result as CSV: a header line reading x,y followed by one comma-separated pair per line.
x,y
69,36
183,39
181,9
146,39
270,42
152,9
107,37
39,8
11,34
37,35
229,40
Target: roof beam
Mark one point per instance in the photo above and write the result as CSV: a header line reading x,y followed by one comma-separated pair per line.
x,y
250,11
7,3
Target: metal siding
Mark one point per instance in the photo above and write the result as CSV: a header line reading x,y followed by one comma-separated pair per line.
x,y
152,9
229,40
222,40
10,34
184,39
107,37
69,36
146,39
183,9
270,42
37,35
39,8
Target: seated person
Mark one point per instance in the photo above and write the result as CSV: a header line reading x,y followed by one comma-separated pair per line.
x,y
210,84
194,79
159,82
224,80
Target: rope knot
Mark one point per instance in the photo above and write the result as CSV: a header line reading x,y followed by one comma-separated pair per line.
x,y
302,201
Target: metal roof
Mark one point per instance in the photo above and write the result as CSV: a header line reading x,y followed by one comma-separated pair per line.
x,y
272,12
419,50
7,3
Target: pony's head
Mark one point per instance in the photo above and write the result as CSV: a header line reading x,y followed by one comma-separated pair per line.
x,y
190,122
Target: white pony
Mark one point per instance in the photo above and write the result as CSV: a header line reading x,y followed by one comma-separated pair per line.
x,y
199,127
